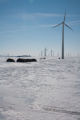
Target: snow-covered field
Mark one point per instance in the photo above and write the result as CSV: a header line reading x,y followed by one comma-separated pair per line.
x,y
46,90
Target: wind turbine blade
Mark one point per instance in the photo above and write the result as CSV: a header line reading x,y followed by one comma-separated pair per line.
x,y
65,15
56,25
65,12
68,26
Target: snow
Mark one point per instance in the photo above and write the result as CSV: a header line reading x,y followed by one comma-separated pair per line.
x,y
45,90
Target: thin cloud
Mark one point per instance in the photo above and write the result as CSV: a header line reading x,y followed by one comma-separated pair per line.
x,y
43,15
77,22
37,15
11,31
24,28
78,15
46,25
48,14
32,15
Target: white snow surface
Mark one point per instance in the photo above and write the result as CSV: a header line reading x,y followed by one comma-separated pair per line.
x,y
45,90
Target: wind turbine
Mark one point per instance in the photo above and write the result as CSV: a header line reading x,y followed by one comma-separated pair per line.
x,y
45,52
63,24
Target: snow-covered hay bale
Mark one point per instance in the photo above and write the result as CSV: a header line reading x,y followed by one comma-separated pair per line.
x,y
10,60
26,60
43,58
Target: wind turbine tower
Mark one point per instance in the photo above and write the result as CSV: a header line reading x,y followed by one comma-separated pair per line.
x,y
45,52
63,24
51,52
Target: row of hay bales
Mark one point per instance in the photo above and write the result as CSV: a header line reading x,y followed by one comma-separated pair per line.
x,y
21,60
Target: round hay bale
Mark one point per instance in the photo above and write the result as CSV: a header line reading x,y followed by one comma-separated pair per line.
x,y
10,60
26,60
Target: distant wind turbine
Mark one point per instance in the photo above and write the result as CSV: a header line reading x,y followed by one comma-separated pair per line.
x,y
63,24
45,52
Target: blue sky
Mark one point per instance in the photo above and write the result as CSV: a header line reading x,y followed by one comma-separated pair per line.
x,y
26,26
